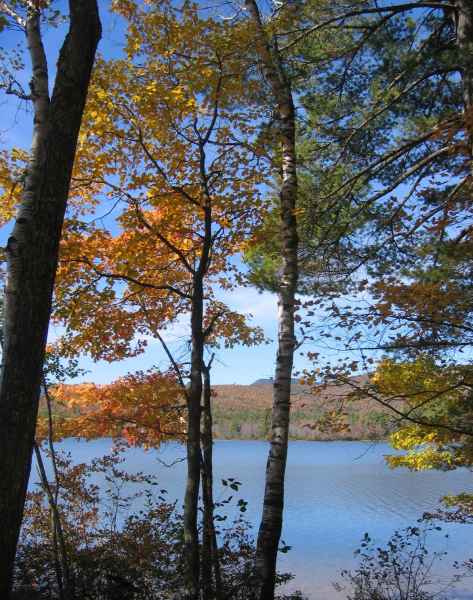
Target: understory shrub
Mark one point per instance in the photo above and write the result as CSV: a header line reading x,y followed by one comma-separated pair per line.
x,y
123,538
404,569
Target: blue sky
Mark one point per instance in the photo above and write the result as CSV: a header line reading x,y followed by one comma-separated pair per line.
x,y
239,365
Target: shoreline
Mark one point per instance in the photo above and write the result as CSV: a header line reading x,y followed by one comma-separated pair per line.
x,y
251,439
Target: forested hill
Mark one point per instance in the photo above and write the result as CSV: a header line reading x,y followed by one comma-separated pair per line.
x,y
270,380
244,412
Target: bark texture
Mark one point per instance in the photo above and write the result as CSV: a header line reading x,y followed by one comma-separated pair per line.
x,y
32,253
194,399
271,523
464,40
211,575
59,545
464,27
191,497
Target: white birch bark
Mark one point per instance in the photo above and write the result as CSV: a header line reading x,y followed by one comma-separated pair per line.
x,y
273,504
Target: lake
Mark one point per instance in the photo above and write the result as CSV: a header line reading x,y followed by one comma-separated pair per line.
x,y
335,492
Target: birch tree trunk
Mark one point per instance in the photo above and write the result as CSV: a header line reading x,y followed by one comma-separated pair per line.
x,y
271,523
32,254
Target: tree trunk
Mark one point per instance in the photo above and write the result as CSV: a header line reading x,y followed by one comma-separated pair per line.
x,y
271,523
464,33
207,495
32,254
194,396
59,544
210,560
58,534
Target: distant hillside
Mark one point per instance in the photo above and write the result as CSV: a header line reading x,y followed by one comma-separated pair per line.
x,y
269,381
244,412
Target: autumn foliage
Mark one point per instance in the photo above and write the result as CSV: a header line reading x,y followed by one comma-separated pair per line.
x,y
142,408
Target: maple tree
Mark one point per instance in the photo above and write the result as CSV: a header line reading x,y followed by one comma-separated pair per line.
x,y
141,408
432,402
168,151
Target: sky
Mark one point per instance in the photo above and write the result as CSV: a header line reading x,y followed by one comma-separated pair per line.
x,y
234,366
239,365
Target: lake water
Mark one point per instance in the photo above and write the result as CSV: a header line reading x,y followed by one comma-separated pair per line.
x,y
335,491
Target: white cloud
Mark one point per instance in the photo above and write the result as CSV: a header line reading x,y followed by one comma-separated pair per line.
x,y
262,305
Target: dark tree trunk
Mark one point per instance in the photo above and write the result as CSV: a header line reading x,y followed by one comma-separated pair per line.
x,y
32,253
211,576
271,522
194,396
464,27
59,544
464,32
207,495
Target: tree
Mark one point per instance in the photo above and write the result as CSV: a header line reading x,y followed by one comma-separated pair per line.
x,y
169,143
284,114
393,100
32,247
408,135
436,430
141,409
394,105
305,241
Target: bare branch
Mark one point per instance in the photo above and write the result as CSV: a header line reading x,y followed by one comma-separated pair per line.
x,y
124,277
